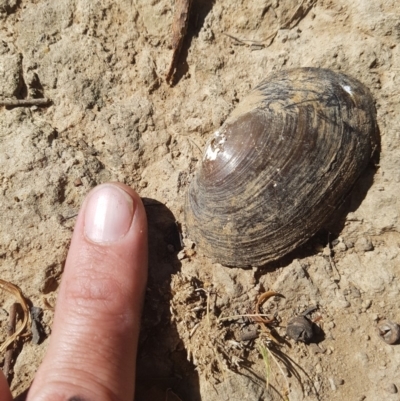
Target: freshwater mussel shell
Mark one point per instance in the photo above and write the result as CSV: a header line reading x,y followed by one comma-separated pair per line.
x,y
279,166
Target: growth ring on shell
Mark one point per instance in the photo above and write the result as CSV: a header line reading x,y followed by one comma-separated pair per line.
x,y
274,172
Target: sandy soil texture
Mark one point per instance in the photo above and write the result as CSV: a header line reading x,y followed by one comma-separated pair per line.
x,y
113,117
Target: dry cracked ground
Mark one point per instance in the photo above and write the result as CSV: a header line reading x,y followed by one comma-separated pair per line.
x,y
113,117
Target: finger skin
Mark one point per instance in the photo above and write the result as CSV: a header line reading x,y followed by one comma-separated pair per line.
x,y
5,394
92,350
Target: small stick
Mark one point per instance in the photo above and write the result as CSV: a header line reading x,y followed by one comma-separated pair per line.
x,y
179,29
10,331
331,261
235,317
24,102
254,43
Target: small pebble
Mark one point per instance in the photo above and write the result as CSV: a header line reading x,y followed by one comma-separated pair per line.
x,y
332,383
375,317
299,328
78,182
341,247
391,388
342,304
367,303
181,255
249,333
327,251
188,243
363,357
36,325
316,349
190,253
330,325
285,371
349,244
363,244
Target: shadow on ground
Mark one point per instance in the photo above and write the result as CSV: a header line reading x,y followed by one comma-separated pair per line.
x,y
163,371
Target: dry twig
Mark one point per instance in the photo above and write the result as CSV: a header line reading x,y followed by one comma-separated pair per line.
x,y
10,331
235,317
331,261
24,102
179,29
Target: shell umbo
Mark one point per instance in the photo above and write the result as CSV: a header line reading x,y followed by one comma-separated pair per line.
x,y
274,172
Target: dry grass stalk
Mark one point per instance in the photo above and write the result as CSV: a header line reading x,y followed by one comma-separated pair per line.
x,y
25,325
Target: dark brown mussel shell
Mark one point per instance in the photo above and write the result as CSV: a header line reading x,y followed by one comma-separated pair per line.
x,y
274,172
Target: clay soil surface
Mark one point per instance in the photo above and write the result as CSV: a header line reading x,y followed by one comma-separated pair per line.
x,y
113,117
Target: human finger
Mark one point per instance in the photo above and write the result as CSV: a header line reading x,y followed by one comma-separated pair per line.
x,y
92,350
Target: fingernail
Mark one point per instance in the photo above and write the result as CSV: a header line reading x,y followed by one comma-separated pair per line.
x,y
108,214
